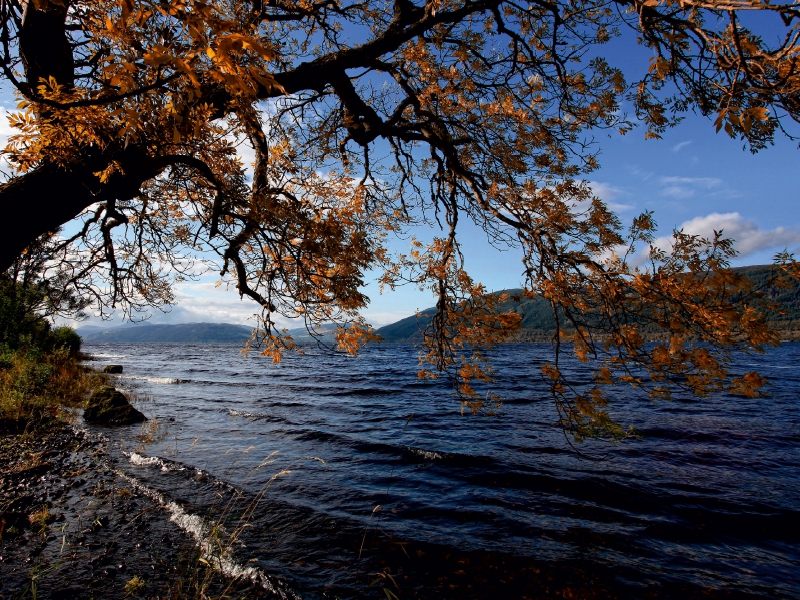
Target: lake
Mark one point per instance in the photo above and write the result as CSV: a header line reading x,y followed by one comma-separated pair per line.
x,y
389,486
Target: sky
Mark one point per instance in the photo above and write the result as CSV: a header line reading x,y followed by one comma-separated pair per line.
x,y
693,178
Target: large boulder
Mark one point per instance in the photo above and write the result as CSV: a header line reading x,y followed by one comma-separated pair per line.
x,y
109,406
113,369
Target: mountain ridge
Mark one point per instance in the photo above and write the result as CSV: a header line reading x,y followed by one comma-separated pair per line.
x,y
181,333
538,323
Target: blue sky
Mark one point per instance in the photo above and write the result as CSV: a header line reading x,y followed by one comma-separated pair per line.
x,y
693,178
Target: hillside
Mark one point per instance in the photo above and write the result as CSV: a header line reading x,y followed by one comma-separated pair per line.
x,y
538,323
184,333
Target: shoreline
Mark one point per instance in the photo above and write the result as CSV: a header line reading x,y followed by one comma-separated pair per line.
x,y
72,526
105,529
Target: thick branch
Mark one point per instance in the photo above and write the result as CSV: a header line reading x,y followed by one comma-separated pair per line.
x,y
48,196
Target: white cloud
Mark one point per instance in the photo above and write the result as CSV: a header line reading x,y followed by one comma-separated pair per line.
x,y
5,128
639,174
380,318
677,147
604,191
748,236
5,132
607,193
707,182
686,187
678,192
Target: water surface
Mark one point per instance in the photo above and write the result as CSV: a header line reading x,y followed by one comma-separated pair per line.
x,y
707,503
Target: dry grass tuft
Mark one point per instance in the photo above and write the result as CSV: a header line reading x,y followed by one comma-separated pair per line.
x,y
135,586
40,519
36,387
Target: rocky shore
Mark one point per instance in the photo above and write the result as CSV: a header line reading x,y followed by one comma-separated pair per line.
x,y
71,526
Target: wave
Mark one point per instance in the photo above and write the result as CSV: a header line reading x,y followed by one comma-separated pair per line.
x,y
244,413
147,461
257,416
205,534
428,454
458,460
156,380
360,392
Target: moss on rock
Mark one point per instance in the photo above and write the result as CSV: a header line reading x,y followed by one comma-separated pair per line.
x,y
109,406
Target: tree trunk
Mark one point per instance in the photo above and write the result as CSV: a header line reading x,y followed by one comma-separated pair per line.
x,y
35,203
49,196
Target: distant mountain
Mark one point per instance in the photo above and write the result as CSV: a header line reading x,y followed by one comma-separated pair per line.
x,y
538,324
87,329
788,298
301,334
184,333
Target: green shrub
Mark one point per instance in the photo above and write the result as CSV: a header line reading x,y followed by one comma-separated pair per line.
x,y
34,385
64,338
39,370
6,357
20,325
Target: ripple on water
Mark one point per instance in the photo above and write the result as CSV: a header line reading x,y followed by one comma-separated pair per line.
x,y
706,499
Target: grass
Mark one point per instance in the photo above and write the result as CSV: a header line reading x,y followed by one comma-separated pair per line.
x,y
212,569
36,387
40,519
135,586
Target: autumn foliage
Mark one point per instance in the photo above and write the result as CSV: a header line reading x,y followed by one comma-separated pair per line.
x,y
370,119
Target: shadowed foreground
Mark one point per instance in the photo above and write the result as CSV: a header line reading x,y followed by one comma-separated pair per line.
x,y
72,527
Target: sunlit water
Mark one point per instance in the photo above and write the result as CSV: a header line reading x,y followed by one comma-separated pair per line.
x,y
709,498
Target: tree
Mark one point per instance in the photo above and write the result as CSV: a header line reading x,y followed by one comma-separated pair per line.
x,y
367,117
37,287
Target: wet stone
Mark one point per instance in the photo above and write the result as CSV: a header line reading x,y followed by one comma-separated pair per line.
x,y
109,406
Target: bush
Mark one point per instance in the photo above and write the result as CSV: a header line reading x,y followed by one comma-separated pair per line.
x,y
35,385
64,338
21,326
39,370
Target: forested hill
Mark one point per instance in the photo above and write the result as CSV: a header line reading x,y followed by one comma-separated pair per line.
x,y
538,323
184,333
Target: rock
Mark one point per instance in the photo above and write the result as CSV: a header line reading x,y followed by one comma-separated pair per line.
x,y
109,406
113,369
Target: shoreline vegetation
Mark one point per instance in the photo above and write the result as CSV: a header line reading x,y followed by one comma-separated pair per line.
x,y
71,524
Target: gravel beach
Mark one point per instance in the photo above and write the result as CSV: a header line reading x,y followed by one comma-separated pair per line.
x,y
72,527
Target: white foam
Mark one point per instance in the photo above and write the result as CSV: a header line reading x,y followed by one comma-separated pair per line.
x,y
146,461
427,454
242,413
200,530
156,380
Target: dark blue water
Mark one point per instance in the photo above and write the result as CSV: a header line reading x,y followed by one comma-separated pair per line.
x,y
706,504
